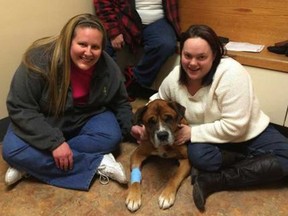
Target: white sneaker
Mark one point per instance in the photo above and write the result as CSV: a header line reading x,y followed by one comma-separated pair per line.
x,y
13,175
110,168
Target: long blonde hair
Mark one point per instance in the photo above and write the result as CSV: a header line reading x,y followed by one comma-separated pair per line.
x,y
58,47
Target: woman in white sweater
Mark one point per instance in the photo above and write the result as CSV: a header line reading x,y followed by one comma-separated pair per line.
x,y
230,141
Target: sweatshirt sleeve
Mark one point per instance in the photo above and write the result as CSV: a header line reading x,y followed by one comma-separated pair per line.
x,y
27,118
123,110
118,102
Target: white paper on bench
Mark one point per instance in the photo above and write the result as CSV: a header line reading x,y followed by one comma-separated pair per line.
x,y
244,46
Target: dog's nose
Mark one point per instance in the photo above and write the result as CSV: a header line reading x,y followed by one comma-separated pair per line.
x,y
163,135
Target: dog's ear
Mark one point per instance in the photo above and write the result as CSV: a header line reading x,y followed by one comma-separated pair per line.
x,y
180,110
138,115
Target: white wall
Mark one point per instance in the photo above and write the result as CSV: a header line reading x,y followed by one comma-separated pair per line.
x,y
271,88
22,22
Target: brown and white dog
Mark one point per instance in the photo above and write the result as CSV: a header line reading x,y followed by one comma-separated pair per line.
x,y
161,120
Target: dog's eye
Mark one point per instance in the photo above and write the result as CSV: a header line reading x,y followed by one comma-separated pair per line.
x,y
152,121
168,118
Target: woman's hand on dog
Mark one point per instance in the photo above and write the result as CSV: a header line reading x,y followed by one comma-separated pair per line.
x,y
183,134
139,133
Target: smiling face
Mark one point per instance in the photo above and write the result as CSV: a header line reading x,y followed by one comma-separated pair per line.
x,y
86,47
196,58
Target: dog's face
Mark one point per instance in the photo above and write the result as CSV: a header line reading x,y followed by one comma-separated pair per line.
x,y
161,119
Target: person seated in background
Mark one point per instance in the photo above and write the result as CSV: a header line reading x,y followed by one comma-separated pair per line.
x,y
231,143
151,24
69,110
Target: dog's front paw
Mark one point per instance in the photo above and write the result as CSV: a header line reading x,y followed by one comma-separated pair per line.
x,y
133,200
166,200
133,204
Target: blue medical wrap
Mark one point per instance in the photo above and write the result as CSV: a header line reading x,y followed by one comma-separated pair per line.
x,y
136,175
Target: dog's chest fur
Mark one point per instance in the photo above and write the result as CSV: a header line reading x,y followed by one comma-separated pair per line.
x,y
167,151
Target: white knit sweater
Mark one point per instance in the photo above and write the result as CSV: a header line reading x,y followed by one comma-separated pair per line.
x,y
225,111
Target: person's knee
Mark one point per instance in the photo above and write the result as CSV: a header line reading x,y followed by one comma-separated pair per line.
x,y
13,149
7,151
199,161
116,139
5,155
167,48
202,159
9,155
113,142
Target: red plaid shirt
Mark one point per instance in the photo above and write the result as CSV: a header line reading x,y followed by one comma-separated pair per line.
x,y
120,16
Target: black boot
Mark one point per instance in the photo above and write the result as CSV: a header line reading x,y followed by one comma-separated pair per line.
x,y
194,175
249,172
228,159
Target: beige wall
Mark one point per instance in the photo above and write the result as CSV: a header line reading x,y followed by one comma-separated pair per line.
x,y
21,23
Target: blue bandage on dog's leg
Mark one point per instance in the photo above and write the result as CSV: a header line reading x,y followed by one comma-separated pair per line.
x,y
136,175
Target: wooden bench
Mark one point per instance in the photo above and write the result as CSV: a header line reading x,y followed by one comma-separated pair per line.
x,y
258,22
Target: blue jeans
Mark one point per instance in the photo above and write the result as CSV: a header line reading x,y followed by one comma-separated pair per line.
x,y
100,135
208,157
159,41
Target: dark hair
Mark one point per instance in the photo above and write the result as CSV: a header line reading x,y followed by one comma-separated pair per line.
x,y
209,35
